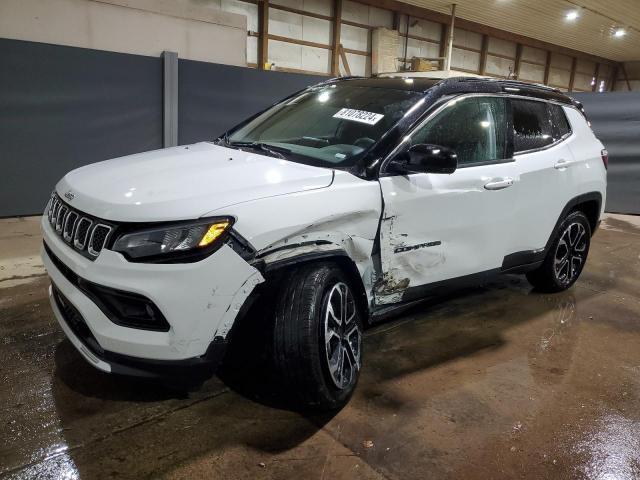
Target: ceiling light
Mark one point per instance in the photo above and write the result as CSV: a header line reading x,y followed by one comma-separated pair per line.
x,y
619,32
572,15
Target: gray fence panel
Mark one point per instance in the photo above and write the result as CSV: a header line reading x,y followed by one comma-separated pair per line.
x,y
213,98
64,107
615,118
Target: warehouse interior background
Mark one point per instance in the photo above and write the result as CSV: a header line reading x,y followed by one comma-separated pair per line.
x,y
498,381
183,71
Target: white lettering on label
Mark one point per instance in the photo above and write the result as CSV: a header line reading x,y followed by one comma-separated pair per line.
x,y
361,116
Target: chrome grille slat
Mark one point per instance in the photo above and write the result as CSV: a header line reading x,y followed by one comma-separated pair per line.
x,y
69,225
62,213
99,236
81,232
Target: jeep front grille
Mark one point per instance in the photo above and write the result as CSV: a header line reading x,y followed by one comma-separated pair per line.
x,y
86,234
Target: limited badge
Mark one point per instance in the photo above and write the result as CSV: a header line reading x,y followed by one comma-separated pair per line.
x,y
361,116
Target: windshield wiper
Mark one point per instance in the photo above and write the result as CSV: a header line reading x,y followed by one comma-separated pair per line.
x,y
274,150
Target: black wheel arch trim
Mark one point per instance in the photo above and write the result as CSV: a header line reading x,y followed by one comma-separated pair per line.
x,y
527,260
274,268
574,202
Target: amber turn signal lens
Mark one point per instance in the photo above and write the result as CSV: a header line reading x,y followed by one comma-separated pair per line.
x,y
213,232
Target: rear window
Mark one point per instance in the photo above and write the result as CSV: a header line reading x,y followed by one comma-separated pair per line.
x,y
532,126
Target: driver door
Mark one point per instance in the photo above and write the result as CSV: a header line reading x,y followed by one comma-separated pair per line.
x,y
438,227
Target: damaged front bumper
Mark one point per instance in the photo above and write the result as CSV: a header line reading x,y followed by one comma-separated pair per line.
x,y
200,302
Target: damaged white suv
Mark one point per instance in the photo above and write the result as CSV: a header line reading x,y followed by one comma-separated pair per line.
x,y
347,200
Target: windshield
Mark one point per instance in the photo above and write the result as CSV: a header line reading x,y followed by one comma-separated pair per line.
x,y
329,126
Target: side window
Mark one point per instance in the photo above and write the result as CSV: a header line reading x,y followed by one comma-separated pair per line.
x,y
475,127
532,127
561,125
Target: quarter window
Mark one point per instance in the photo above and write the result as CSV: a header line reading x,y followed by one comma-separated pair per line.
x,y
474,127
560,122
532,127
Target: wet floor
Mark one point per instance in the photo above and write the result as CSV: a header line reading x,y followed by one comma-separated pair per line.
x,y
494,382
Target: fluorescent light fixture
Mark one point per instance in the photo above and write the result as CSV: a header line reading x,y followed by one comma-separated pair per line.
x,y
619,32
572,15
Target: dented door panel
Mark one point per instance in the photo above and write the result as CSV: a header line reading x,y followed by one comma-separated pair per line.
x,y
438,227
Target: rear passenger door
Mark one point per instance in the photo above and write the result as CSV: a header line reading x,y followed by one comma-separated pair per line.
x,y
544,162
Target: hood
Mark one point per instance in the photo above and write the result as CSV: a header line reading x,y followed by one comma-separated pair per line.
x,y
185,182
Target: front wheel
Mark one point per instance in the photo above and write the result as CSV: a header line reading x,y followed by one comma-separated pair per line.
x,y
566,257
318,336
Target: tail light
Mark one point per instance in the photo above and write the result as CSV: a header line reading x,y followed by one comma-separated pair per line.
x,y
605,158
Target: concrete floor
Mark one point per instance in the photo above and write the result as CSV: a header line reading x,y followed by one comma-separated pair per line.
x,y
495,382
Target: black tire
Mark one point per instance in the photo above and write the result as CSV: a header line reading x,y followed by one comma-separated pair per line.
x,y
572,237
299,347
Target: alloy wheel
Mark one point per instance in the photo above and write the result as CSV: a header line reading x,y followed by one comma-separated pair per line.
x,y
342,336
571,253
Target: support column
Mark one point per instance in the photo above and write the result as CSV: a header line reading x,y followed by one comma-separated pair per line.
x,y
170,99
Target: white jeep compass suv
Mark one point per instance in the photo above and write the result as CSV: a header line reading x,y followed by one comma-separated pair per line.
x,y
336,206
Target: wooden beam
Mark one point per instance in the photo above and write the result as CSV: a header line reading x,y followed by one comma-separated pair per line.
x,y
335,42
572,77
613,77
306,43
483,54
263,33
300,12
626,78
357,24
547,68
444,34
396,20
452,23
345,62
594,87
518,60
356,52
443,18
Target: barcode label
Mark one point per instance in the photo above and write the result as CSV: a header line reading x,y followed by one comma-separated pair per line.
x,y
361,116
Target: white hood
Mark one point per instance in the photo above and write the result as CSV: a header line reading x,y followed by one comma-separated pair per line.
x,y
184,182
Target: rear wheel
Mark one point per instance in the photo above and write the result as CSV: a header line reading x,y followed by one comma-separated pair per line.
x,y
318,336
567,256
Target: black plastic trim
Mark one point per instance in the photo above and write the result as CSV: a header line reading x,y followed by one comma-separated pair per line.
x,y
412,295
199,367
103,296
585,197
302,258
522,262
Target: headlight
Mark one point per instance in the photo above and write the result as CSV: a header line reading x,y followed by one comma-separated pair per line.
x,y
177,242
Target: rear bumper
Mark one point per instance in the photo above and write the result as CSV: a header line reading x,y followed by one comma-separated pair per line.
x,y
200,302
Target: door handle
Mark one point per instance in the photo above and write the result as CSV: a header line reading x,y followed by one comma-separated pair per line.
x,y
499,183
562,163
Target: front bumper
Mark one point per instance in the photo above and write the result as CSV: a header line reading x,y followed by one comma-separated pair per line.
x,y
200,301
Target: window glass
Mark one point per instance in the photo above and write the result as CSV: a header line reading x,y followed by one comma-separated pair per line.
x,y
560,122
329,125
474,127
532,125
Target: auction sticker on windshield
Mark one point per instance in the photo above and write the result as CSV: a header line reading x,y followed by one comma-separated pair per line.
x,y
361,116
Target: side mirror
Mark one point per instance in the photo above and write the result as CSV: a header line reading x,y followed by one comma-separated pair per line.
x,y
426,158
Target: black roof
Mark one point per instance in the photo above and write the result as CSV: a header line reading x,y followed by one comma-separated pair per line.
x,y
439,87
